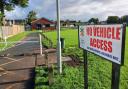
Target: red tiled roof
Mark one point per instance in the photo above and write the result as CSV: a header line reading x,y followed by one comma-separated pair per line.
x,y
43,20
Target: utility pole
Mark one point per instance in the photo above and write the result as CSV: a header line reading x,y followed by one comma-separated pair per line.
x,y
58,37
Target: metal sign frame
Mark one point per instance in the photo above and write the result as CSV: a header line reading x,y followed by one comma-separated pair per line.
x,y
115,67
122,47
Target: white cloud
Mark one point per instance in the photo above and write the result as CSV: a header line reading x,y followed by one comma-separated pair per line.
x,y
74,9
41,7
16,13
96,8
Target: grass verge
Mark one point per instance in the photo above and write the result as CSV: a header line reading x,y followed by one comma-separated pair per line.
x,y
99,70
17,37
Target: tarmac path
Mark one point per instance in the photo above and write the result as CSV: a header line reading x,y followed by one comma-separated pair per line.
x,y
17,69
27,45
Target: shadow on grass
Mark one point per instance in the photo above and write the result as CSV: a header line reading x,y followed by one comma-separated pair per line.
x,y
42,83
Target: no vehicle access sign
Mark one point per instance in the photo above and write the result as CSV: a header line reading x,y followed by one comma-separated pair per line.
x,y
107,41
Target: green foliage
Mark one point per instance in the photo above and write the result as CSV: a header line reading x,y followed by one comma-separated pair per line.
x,y
46,43
31,16
94,20
99,70
71,78
41,81
1,16
17,37
70,36
10,5
72,51
124,18
21,3
113,19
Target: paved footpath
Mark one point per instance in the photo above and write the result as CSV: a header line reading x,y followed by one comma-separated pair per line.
x,y
17,72
17,69
25,47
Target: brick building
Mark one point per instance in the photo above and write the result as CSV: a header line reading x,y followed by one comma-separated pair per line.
x,y
43,24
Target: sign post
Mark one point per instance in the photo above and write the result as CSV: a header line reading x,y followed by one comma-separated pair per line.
x,y
116,67
115,76
104,40
85,69
58,37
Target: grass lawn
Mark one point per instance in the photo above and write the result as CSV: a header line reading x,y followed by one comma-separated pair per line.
x,y
99,69
70,36
17,37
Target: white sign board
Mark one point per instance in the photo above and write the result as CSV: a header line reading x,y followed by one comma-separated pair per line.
x,y
103,40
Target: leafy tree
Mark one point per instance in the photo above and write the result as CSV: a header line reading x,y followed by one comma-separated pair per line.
x,y
31,16
93,20
113,19
10,5
124,19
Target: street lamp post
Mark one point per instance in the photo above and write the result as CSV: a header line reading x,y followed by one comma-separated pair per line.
x,y
58,37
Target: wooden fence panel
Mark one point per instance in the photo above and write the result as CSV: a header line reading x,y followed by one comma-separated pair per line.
x,y
7,31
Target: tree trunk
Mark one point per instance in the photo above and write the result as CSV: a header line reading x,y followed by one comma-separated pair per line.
x,y
2,17
2,11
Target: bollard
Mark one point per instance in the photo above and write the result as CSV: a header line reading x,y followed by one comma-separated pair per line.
x,y
40,44
5,40
62,43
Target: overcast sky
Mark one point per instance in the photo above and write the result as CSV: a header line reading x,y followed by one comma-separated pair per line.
x,y
73,9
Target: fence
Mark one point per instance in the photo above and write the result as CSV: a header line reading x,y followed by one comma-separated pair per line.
x,y
7,31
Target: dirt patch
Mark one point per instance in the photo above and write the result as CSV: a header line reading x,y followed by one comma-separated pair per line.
x,y
74,62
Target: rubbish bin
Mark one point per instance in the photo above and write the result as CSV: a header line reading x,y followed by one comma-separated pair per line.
x,y
62,42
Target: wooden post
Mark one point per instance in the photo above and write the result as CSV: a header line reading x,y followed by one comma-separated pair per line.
x,y
50,74
85,69
115,76
35,60
46,58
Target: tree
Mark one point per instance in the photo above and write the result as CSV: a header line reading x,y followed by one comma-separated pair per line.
x,y
124,19
10,5
31,16
113,19
93,20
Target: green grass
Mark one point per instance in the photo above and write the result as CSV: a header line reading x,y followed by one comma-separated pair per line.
x,y
99,70
41,81
71,78
17,37
70,36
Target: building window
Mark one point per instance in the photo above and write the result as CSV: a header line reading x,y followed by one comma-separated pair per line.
x,y
47,25
38,26
52,25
